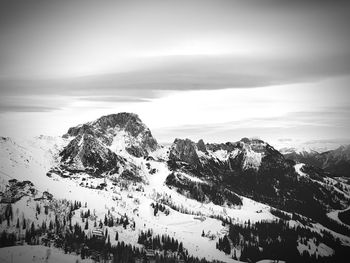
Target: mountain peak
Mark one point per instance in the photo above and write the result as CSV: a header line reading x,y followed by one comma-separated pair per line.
x,y
123,120
201,146
121,129
107,142
184,150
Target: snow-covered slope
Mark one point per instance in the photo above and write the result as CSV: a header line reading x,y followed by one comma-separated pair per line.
x,y
29,159
38,254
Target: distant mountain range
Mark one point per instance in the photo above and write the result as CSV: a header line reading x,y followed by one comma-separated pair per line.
x,y
335,162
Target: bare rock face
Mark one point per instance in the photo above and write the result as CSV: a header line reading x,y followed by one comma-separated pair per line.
x,y
137,136
201,146
15,190
185,151
102,145
246,154
85,151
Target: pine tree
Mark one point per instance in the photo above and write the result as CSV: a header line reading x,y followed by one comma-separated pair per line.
x,y
51,225
32,228
180,247
43,226
82,253
108,242
38,209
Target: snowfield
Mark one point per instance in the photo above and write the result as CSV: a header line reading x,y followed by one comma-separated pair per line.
x,y
37,254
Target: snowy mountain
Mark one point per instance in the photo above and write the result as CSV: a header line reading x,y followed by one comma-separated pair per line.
x,y
245,154
336,162
254,169
106,190
107,145
119,131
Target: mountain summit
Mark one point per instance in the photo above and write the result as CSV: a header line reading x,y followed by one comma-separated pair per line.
x,y
121,130
104,145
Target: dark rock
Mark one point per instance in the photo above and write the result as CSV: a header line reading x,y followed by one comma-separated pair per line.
x,y
201,146
185,151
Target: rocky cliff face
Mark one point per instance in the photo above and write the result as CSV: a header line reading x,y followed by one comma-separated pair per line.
x,y
86,152
184,151
122,129
108,144
243,155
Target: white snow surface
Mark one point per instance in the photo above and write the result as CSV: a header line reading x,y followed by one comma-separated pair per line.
x,y
334,215
320,250
38,254
252,159
298,168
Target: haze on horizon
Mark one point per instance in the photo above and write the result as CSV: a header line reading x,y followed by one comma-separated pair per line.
x,y
218,70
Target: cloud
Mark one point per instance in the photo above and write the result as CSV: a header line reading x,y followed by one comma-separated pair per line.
x,y
314,123
112,99
340,141
32,103
285,139
186,73
24,108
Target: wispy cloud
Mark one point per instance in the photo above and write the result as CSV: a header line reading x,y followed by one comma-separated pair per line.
x,y
112,99
184,73
23,108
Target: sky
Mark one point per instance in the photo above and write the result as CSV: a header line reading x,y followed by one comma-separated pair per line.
x,y
213,69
